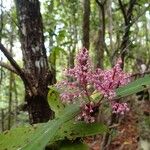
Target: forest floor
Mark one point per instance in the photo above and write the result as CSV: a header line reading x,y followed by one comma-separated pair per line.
x,y
128,131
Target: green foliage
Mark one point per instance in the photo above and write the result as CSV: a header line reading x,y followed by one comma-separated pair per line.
x,y
9,139
38,136
77,145
63,28
73,130
134,87
96,96
147,121
48,132
16,138
44,134
55,102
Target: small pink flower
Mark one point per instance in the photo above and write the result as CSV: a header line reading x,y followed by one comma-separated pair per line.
x,y
87,112
120,108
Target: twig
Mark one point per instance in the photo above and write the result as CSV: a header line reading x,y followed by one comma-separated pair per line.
x,y
19,70
123,11
11,60
138,73
141,14
8,67
10,17
113,126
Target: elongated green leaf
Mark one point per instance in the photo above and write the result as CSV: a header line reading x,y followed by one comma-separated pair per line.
x,y
72,130
21,136
38,136
36,139
133,87
31,138
55,102
49,131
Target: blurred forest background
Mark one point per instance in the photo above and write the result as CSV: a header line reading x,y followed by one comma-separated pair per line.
x,y
38,40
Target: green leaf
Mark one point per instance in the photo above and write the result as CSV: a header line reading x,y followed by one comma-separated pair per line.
x,y
68,145
16,138
36,139
72,130
55,53
58,50
38,136
96,96
55,102
47,134
133,87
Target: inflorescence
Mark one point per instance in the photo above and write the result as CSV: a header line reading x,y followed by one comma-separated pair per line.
x,y
83,80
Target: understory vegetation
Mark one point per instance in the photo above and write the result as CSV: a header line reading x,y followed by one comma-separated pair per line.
x,y
74,74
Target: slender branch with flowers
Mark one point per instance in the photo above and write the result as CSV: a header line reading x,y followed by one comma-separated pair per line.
x,y
85,81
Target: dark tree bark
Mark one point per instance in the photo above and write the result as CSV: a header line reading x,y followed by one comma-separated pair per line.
x,y
2,120
86,23
36,70
73,38
100,43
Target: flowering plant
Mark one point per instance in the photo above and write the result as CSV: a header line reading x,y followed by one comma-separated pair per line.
x,y
85,81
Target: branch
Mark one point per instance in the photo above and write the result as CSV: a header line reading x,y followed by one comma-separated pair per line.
x,y
10,16
130,9
19,71
98,2
11,60
141,14
140,74
8,67
123,11
102,3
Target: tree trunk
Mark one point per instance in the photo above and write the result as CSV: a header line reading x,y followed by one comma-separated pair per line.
x,y
16,100
124,47
110,24
38,108
36,67
100,43
86,23
2,120
11,79
10,100
1,19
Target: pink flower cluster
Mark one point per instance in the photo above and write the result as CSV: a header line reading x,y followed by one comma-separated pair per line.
x,y
106,81
87,113
103,81
120,108
69,91
81,69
